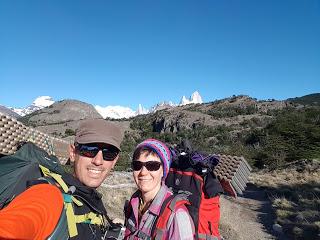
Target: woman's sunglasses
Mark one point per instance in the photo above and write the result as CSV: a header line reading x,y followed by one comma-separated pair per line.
x,y
109,153
150,165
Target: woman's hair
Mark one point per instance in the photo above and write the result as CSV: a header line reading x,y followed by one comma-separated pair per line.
x,y
143,149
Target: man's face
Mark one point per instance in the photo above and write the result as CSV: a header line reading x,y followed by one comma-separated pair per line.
x,y
89,166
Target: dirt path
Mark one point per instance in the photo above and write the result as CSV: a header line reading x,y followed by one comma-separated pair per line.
x,y
247,217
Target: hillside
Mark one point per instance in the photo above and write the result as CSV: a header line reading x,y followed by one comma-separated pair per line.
x,y
267,133
311,99
61,118
8,112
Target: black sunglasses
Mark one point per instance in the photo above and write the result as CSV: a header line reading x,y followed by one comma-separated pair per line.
x,y
109,153
150,165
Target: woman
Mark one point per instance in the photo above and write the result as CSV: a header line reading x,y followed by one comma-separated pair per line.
x,y
151,163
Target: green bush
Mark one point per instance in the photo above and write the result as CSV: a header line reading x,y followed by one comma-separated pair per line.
x,y
69,132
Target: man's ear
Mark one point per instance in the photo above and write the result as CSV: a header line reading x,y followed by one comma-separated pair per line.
x,y
115,161
72,152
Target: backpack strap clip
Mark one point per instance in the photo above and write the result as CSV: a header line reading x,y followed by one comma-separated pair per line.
x,y
90,218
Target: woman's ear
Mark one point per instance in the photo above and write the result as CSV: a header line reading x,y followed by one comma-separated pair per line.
x,y
162,175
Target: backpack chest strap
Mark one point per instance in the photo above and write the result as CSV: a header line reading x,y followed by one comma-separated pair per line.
x,y
137,233
90,218
148,225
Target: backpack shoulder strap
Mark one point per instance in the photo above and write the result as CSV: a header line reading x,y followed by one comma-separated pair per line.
x,y
69,200
58,179
127,209
168,208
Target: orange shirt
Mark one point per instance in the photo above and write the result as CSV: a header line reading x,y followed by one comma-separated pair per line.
x,y
33,214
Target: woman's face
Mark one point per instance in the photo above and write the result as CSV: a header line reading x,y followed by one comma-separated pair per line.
x,y
148,182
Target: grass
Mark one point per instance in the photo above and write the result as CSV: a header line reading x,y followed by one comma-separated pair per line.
x,y
295,196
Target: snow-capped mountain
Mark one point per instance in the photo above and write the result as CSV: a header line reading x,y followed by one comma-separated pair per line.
x,y
184,101
141,110
38,103
118,112
195,98
115,112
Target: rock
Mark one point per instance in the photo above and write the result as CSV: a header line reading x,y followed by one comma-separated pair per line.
x,y
277,228
299,218
297,231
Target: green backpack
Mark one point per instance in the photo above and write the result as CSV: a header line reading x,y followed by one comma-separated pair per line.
x,y
29,164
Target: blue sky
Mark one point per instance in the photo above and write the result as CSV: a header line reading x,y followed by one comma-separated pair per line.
x,y
129,52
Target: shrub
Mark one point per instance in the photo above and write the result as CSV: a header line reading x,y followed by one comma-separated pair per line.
x,y
69,132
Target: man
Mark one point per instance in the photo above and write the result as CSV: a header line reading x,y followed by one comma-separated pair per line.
x,y
94,153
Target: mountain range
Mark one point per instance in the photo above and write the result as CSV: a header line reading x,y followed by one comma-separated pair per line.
x,y
37,104
111,112
223,126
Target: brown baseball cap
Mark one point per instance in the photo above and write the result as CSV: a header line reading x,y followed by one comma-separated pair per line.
x,y
99,131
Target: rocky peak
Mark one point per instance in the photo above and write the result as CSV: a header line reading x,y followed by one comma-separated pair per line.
x,y
162,106
43,101
195,98
184,101
141,110
37,104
